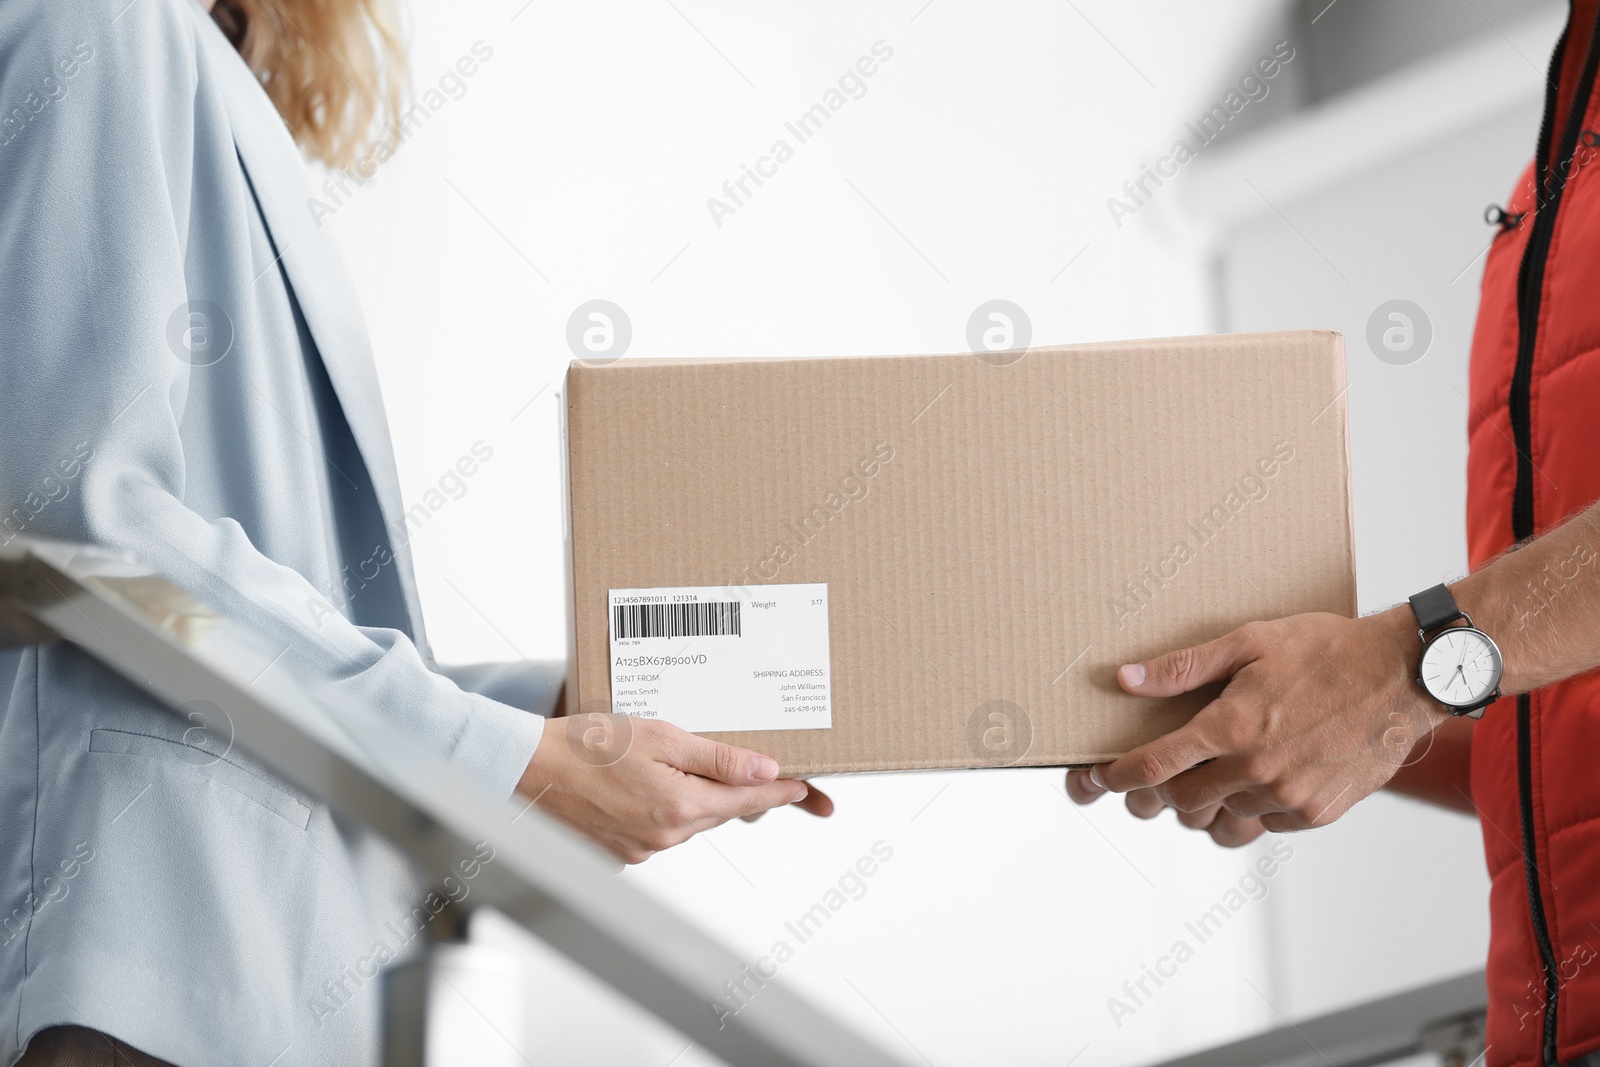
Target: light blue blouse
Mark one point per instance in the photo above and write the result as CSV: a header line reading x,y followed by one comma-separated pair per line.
x,y
184,374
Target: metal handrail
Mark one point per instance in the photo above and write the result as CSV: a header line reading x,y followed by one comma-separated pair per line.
x,y
1444,1018
545,877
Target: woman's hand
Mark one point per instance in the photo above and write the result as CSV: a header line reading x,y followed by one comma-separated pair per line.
x,y
639,786
1226,828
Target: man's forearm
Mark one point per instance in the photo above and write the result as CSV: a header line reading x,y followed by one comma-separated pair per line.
x,y
1541,604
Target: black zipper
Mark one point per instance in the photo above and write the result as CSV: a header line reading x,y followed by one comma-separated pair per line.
x,y
1530,867
1548,186
1495,215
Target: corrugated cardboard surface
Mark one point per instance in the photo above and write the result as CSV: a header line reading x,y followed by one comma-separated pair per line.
x,y
1039,523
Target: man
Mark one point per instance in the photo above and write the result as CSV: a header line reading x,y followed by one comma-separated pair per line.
x,y
1319,711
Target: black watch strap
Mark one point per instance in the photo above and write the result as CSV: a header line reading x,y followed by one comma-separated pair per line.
x,y
1435,608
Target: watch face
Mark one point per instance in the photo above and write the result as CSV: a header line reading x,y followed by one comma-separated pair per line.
x,y
1461,666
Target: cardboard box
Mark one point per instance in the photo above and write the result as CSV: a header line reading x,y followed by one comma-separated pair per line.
x,y
940,561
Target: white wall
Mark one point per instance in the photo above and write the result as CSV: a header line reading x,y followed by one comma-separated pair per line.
x,y
577,165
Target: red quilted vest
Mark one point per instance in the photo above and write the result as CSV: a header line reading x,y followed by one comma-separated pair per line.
x,y
1534,432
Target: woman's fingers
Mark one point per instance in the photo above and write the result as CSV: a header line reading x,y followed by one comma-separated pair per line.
x,y
816,802
727,764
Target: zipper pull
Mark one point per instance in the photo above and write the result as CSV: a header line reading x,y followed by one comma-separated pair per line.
x,y
1495,215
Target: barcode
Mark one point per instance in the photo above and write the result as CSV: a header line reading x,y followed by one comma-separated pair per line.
x,y
712,619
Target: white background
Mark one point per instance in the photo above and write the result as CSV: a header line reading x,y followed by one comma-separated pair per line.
x,y
977,166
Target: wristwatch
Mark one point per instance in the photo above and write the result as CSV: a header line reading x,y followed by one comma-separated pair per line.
x,y
1461,665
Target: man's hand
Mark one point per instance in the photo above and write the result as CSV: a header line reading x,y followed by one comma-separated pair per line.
x,y
1318,712
639,786
1226,828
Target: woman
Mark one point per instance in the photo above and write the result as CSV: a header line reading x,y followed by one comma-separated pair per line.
x,y
186,377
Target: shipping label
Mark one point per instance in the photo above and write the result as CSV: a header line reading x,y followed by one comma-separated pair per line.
x,y
717,658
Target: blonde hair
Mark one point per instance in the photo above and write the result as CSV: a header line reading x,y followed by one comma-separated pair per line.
x,y
334,69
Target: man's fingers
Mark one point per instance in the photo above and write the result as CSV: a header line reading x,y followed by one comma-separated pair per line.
x,y
1145,804
1200,819
1207,786
727,764
1165,757
1281,822
1230,831
1185,669
1082,789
